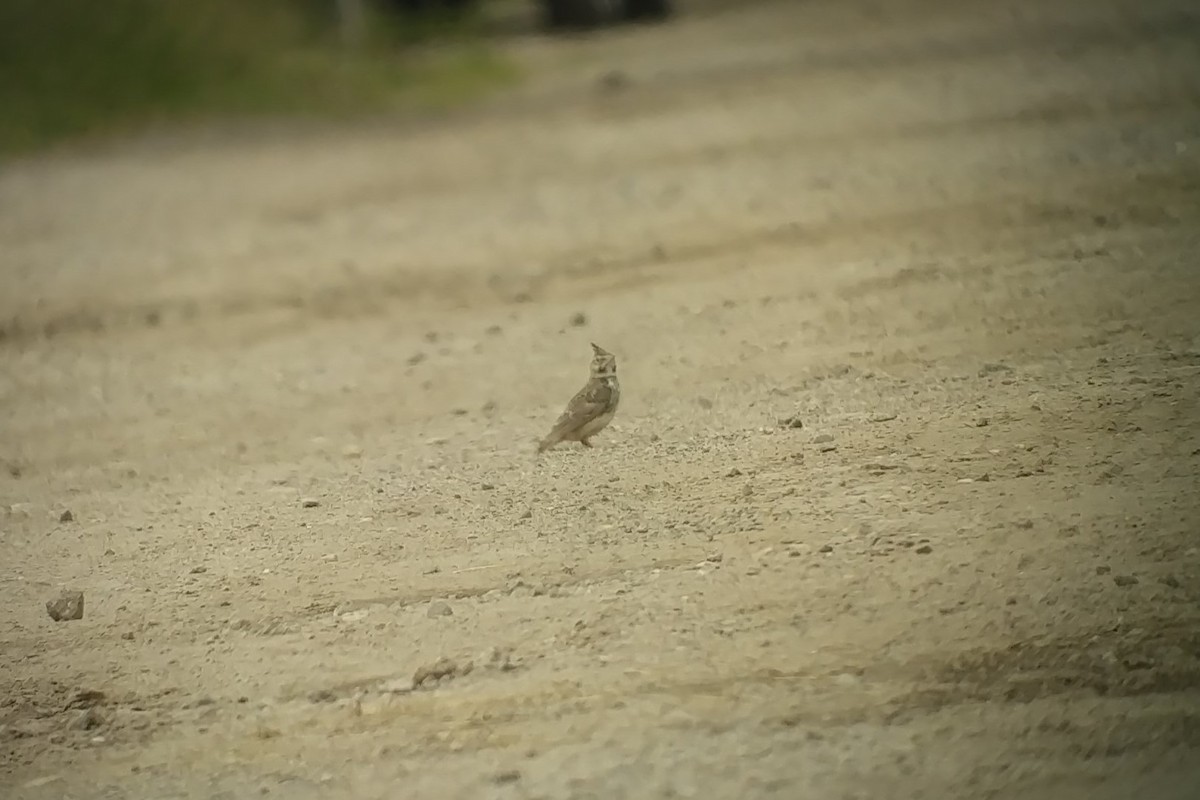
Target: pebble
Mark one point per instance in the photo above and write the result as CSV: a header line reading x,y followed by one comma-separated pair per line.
x,y
309,502
439,608
825,548
429,673
924,550
66,516
827,448
322,696
197,570
87,720
613,81
578,319
1103,569
993,367
821,438
397,686
507,776
1125,580
793,422
67,606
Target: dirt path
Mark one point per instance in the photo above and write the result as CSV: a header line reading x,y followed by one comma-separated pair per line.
x,y
958,246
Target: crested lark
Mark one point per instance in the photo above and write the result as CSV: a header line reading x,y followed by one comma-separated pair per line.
x,y
592,408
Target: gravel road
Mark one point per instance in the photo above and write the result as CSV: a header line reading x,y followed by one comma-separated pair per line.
x,y
901,500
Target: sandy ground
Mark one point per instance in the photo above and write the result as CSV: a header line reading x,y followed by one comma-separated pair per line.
x,y
901,501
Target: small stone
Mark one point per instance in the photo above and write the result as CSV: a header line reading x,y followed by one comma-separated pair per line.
x,y
127,636
85,698
322,696
67,606
733,473
352,451
827,448
527,514
825,548
822,438
794,422
1125,580
487,487
88,719
882,418
982,422
924,550
507,776
197,570
442,668
578,319
613,81
1103,569
66,516
1169,581
984,478
439,608
992,368
329,557
416,358
397,686
309,502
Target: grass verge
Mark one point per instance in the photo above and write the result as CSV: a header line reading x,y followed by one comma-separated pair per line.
x,y
75,68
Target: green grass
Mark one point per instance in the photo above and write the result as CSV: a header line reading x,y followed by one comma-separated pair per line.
x,y
73,68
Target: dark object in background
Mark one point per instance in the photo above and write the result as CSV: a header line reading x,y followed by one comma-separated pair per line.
x,y
555,13
422,6
593,13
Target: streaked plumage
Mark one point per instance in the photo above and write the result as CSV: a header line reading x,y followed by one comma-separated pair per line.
x,y
592,408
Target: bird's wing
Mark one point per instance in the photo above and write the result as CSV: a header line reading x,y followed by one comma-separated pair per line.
x,y
588,404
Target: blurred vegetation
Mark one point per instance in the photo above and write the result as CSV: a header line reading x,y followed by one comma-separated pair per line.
x,y
75,67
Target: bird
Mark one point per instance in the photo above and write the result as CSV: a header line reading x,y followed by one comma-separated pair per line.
x,y
592,407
